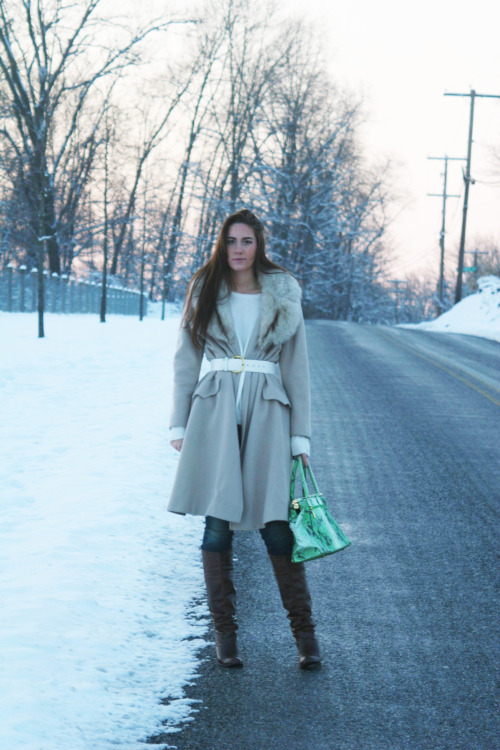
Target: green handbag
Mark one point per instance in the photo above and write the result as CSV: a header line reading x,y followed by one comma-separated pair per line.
x,y
315,532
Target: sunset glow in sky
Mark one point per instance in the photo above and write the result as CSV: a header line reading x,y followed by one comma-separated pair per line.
x,y
401,58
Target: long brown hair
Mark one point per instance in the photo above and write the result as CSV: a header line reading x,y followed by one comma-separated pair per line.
x,y
206,283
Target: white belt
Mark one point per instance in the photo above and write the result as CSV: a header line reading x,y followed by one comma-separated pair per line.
x,y
239,364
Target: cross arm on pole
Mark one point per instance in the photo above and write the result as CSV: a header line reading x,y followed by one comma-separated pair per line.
x,y
474,93
447,158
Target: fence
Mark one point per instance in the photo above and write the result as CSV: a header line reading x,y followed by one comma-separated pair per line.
x,y
63,294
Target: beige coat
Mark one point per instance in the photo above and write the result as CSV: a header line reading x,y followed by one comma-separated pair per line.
x,y
248,486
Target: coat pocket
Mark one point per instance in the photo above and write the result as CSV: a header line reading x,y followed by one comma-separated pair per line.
x,y
208,386
274,391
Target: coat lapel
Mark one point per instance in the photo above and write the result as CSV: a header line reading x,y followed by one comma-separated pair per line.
x,y
280,313
281,310
221,326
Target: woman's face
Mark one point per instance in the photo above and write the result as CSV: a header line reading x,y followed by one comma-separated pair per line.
x,y
241,247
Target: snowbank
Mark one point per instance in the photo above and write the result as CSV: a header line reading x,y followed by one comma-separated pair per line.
x,y
476,315
98,582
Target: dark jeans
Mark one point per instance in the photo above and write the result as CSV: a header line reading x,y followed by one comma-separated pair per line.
x,y
218,537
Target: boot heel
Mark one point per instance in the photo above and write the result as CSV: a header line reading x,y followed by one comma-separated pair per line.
x,y
227,650
308,648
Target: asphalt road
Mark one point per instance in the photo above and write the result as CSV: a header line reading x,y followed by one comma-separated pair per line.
x,y
406,448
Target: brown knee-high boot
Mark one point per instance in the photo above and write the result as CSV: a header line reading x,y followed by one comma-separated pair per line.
x,y
292,584
221,597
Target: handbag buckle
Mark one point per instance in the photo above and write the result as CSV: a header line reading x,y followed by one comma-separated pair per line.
x,y
238,356
310,508
295,505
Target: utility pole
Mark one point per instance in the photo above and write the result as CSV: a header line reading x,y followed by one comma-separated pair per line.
x,y
444,196
143,254
396,283
467,180
104,286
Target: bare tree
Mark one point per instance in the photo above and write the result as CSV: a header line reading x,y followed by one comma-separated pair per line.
x,y
56,66
198,108
248,117
153,138
280,138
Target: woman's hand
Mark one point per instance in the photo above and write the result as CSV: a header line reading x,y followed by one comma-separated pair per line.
x,y
177,444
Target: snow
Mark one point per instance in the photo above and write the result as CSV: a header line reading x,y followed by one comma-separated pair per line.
x,y
99,585
476,315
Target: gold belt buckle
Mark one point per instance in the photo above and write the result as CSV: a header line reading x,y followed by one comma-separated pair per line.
x,y
238,356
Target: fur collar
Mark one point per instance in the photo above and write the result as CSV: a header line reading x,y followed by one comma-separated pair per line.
x,y
280,316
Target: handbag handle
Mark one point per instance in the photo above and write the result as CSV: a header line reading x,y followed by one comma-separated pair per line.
x,y
305,491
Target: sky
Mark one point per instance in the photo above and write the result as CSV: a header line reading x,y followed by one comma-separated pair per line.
x,y
400,59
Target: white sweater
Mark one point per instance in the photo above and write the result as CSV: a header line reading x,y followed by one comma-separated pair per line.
x,y
245,309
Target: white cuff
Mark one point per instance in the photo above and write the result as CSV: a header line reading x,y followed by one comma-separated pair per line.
x,y
300,444
176,433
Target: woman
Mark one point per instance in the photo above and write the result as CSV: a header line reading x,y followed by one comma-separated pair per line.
x,y
239,426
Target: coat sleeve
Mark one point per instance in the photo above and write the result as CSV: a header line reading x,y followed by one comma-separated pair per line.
x,y
187,363
294,367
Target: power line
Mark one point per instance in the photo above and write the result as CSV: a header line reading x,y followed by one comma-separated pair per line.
x,y
403,265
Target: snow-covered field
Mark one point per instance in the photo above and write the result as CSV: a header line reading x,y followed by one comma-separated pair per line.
x,y
476,315
98,582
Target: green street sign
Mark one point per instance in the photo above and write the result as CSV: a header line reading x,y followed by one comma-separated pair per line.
x,y
469,269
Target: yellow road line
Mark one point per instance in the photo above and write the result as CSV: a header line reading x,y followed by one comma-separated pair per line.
x,y
453,373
